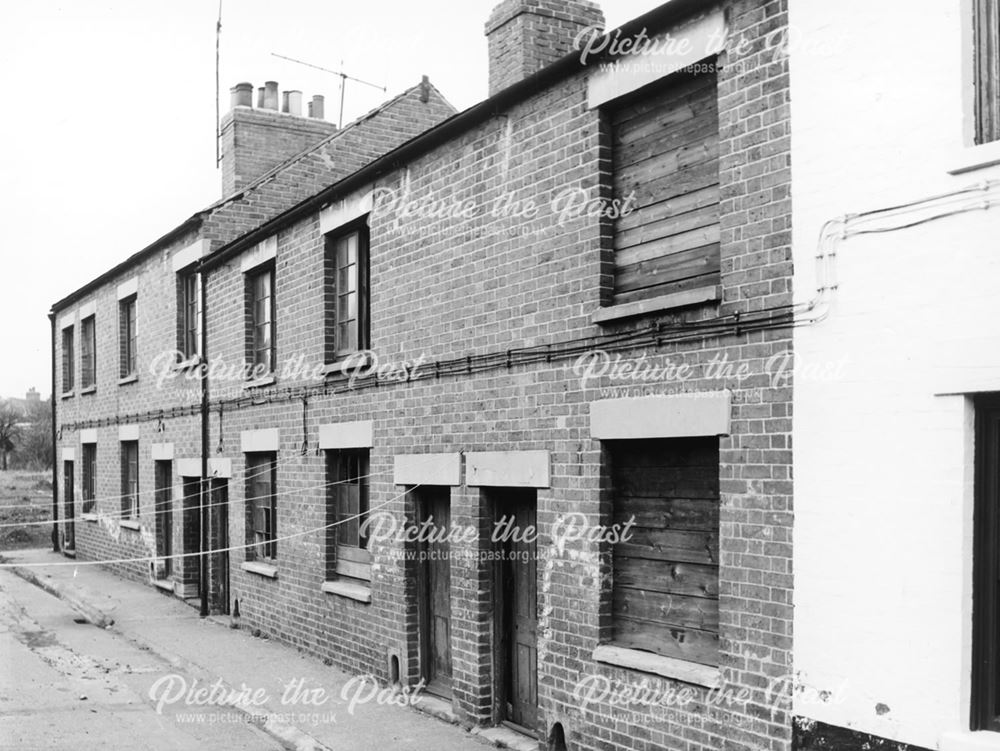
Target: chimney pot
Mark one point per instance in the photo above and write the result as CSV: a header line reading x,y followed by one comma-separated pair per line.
x,y
242,95
293,102
271,95
260,97
316,107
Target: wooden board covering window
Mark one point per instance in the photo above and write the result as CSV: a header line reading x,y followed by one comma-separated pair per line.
x,y
666,577
666,149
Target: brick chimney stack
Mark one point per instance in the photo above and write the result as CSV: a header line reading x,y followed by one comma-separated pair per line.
x,y
527,35
255,140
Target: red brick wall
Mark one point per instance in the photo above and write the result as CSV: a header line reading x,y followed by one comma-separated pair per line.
x,y
448,287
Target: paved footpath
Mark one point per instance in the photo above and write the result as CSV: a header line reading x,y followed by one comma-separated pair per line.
x,y
247,678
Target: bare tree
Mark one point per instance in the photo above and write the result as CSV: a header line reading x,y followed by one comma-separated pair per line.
x,y
10,430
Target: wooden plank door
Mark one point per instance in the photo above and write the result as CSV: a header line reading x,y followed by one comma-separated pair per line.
x,y
518,610
190,578
218,525
69,507
435,593
163,510
986,570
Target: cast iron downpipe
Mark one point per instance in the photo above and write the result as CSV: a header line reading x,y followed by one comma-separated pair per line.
x,y
205,480
55,468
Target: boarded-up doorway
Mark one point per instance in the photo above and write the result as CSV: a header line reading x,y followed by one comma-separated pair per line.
x,y
218,543
516,611
434,594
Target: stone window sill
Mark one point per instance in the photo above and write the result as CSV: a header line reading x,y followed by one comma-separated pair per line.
x,y
657,304
66,395
167,585
89,517
668,667
970,741
128,379
350,590
259,383
261,569
335,369
89,390
973,158
130,524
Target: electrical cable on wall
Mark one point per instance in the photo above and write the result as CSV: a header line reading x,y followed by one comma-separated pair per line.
x,y
149,558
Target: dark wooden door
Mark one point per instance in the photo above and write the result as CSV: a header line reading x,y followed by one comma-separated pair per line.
x,y
218,525
69,507
163,510
191,536
435,593
986,571
517,608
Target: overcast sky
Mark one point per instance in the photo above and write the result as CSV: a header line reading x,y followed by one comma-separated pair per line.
x,y
109,119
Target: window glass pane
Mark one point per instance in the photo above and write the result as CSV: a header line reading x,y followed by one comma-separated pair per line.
x,y
352,248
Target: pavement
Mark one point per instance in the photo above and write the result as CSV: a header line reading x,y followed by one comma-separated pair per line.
x,y
151,653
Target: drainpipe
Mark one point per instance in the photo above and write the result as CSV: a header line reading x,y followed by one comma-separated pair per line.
x,y
205,480
55,467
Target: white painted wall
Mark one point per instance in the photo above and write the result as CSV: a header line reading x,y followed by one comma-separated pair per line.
x,y
883,488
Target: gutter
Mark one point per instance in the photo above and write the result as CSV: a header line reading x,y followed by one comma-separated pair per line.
x,y
55,466
651,22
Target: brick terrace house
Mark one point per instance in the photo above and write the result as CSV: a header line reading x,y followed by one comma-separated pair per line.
x,y
551,312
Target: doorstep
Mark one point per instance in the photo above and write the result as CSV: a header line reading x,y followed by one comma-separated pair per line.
x,y
436,707
501,736
506,737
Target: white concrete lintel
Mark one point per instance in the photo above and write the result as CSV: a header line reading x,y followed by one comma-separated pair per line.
x,y
667,416
694,41
264,251
427,469
347,435
507,469
266,439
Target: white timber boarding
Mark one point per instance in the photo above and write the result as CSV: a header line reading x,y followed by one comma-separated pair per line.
x,y
883,451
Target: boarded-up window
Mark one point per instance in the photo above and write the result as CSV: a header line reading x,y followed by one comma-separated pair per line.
x,y
666,576
665,148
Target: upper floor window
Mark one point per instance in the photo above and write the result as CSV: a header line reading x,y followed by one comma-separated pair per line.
x,y
130,479
261,510
261,335
68,359
347,291
88,352
665,162
347,504
190,305
986,24
127,337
